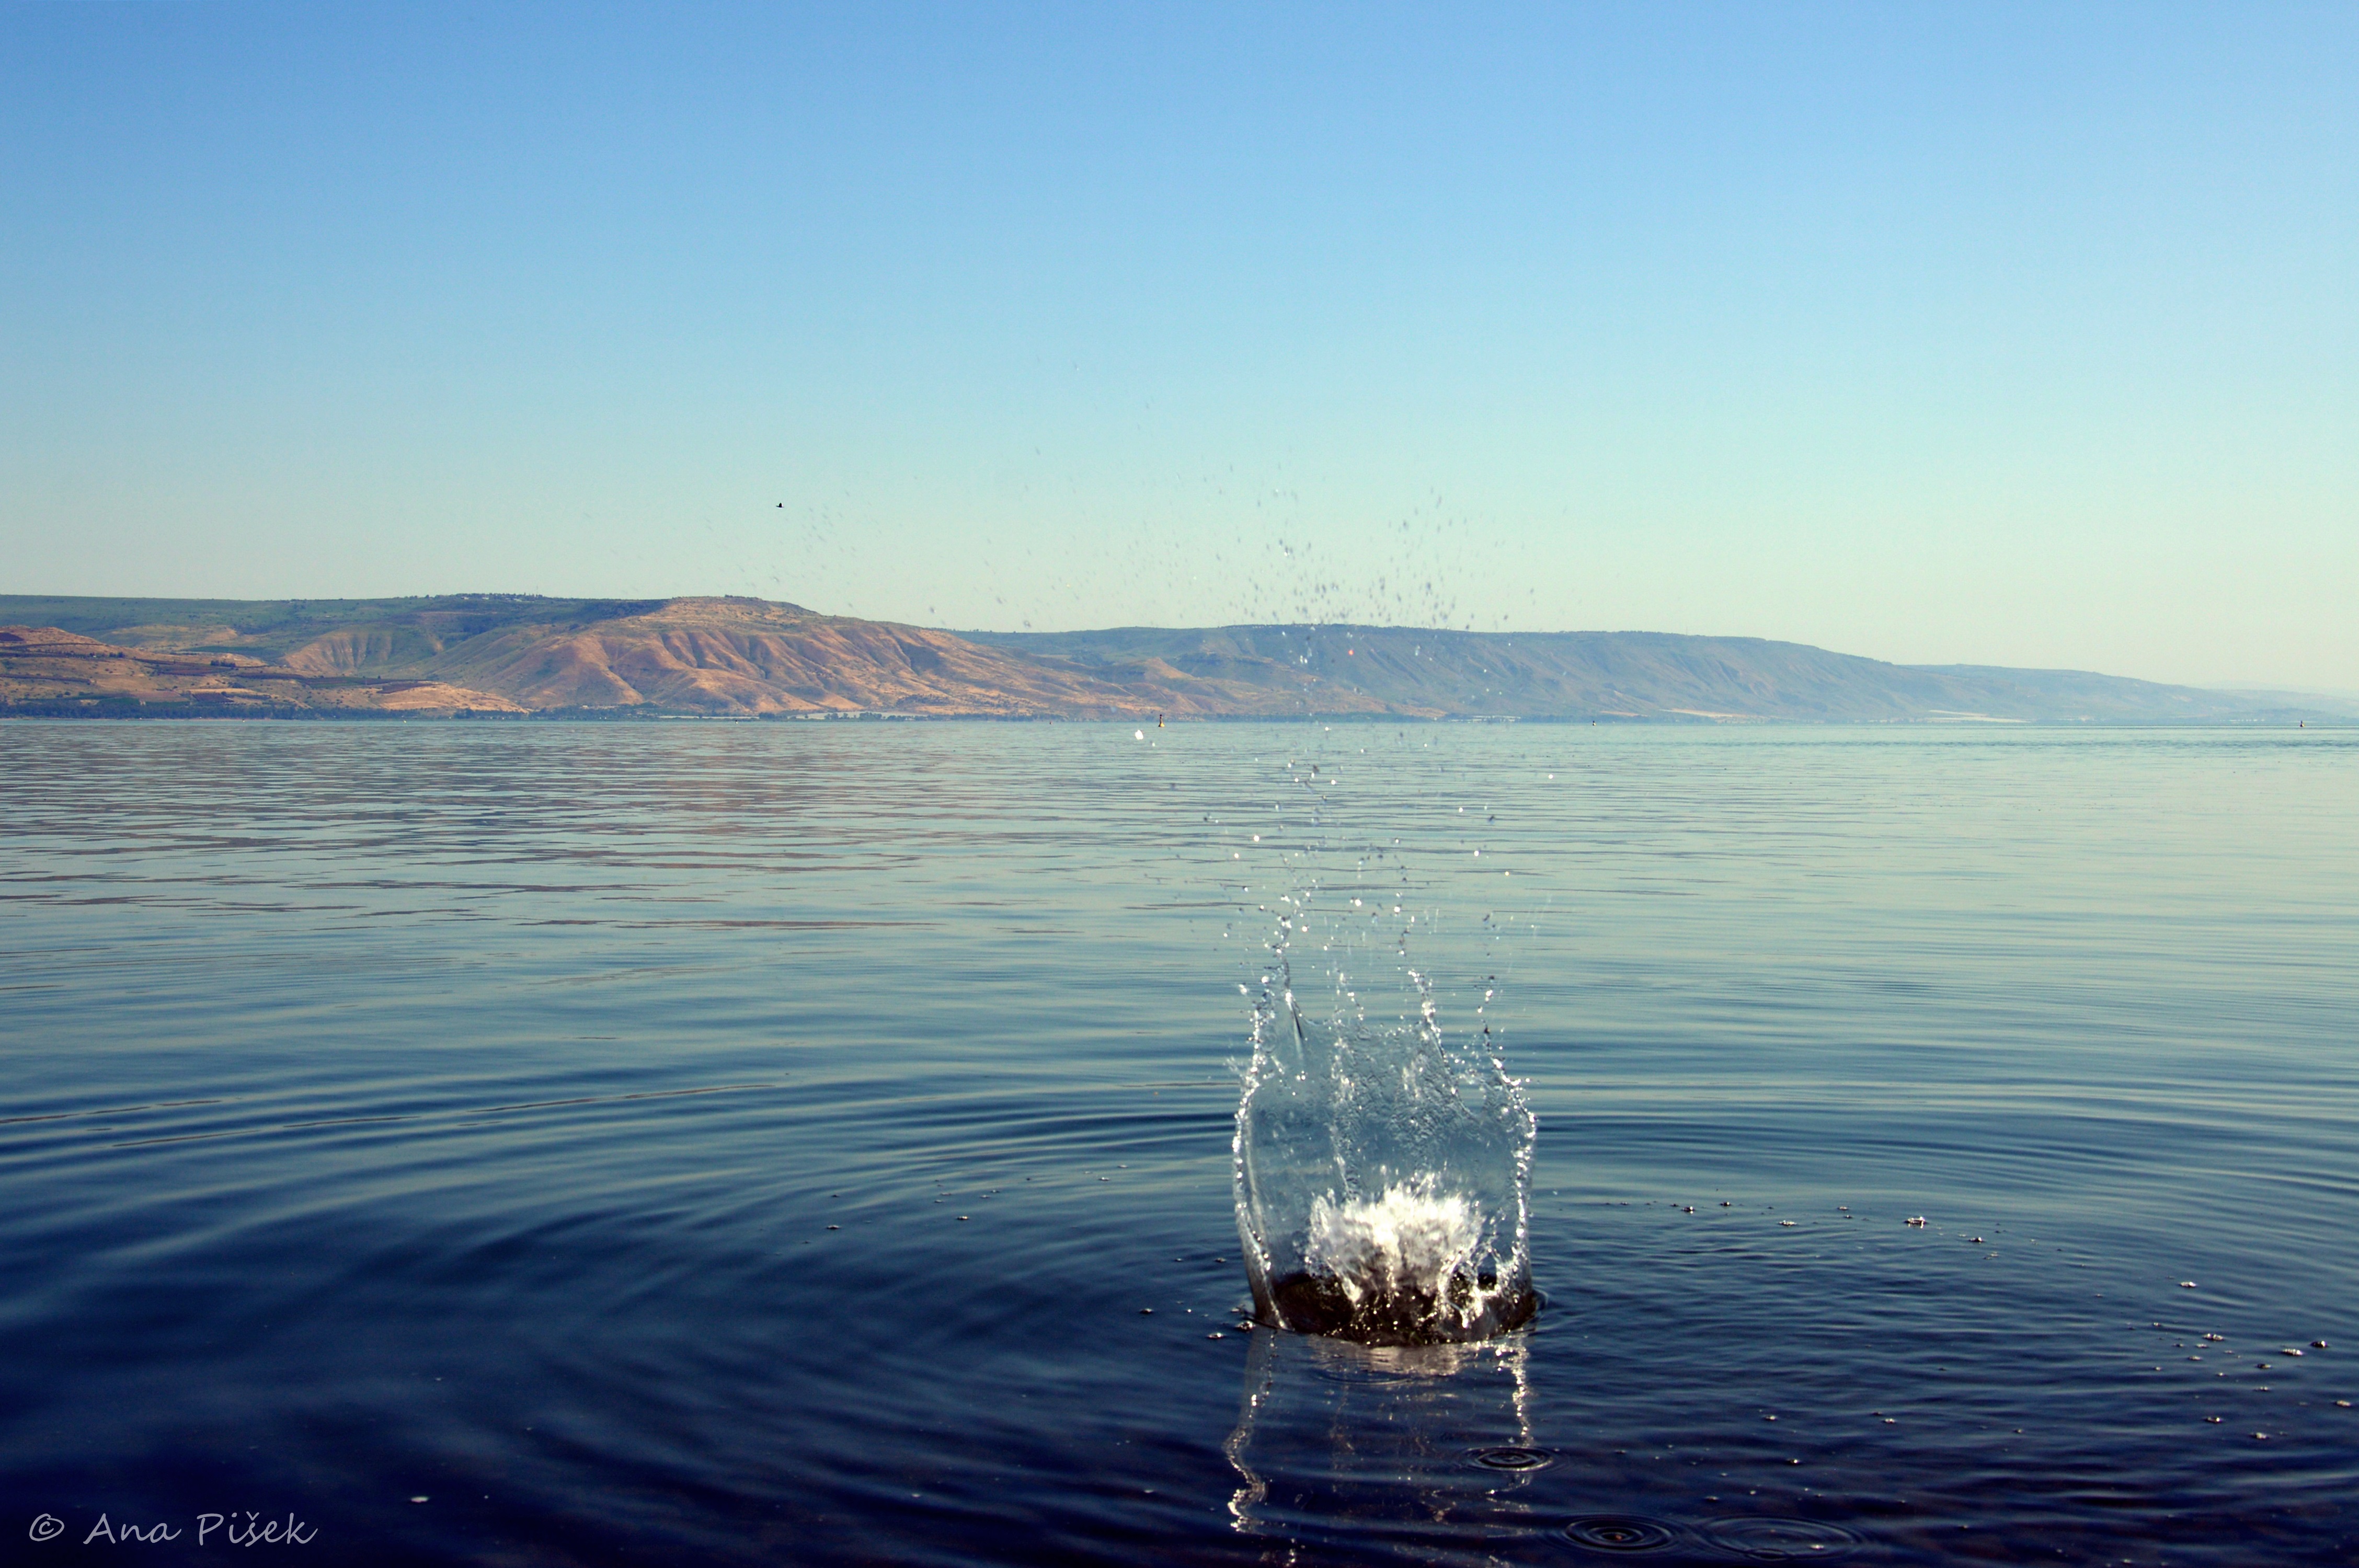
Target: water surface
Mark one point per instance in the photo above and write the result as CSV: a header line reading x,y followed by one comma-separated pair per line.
x,y
811,1142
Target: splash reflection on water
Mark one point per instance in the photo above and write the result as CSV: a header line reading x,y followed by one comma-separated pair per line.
x,y
1333,1437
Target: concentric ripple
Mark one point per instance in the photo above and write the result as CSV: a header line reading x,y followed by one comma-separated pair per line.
x,y
1620,1532
1782,1540
1512,1458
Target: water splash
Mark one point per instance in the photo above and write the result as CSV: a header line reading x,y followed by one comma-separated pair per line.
x,y
1382,1164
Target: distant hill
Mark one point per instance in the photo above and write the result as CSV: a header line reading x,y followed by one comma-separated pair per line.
x,y
513,652
1627,675
595,657
46,671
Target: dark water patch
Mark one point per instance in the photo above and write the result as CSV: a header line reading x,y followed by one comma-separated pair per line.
x,y
1392,1311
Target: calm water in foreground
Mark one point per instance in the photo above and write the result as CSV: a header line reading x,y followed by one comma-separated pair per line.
x,y
691,1143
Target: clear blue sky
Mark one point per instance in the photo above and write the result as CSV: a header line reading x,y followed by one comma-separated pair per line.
x,y
1993,334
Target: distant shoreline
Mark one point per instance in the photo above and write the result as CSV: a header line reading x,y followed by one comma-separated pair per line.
x,y
63,713
602,660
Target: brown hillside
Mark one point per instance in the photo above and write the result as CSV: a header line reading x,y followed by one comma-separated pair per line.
x,y
53,670
749,656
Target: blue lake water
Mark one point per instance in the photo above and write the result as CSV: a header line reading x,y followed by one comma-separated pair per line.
x,y
811,1142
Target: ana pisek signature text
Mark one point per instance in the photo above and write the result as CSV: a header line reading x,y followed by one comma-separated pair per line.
x,y
211,1530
